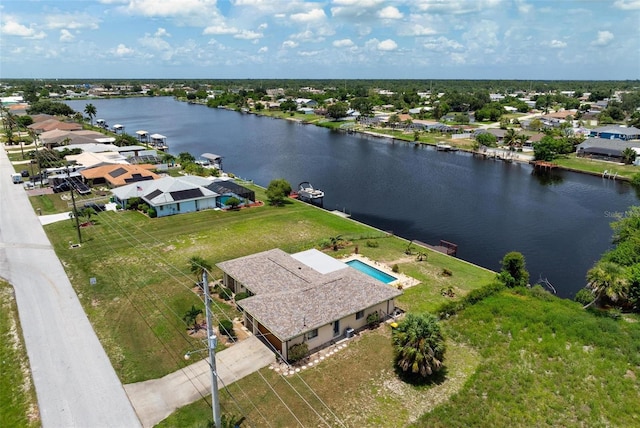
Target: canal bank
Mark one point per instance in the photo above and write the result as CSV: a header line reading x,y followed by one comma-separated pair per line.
x,y
487,208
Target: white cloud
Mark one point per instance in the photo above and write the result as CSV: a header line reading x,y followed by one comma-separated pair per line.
x,y
603,39
456,7
557,44
248,35
289,44
441,44
627,4
13,28
416,30
344,43
263,49
73,21
313,15
122,50
66,36
387,45
219,30
161,32
523,7
390,12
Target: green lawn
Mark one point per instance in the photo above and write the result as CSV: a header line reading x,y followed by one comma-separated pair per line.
x,y
18,405
596,166
513,360
143,284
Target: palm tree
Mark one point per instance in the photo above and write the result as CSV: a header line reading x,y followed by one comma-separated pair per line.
x,y
607,279
419,345
191,318
510,138
91,111
198,266
628,155
335,241
522,140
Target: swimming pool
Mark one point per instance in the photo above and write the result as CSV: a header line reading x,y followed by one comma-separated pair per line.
x,y
371,271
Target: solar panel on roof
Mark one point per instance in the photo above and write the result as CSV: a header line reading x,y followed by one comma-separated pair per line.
x,y
181,195
153,194
117,172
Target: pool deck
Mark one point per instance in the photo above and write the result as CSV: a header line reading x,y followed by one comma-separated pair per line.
x,y
402,280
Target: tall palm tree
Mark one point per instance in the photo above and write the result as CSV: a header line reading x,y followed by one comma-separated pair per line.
x,y
607,280
91,111
510,138
628,155
198,265
522,140
419,345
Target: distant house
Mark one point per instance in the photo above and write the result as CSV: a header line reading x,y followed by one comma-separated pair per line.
x,y
307,297
605,148
616,132
51,124
179,195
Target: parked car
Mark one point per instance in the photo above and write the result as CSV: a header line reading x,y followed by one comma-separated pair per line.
x,y
24,173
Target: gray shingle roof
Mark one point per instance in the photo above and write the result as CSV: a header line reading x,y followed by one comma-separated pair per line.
x,y
291,298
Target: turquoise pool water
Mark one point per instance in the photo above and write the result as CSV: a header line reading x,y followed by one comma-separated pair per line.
x,y
371,271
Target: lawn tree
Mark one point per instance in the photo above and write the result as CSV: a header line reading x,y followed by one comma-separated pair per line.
x,y
277,191
185,158
418,345
486,139
90,111
337,110
514,271
607,281
232,202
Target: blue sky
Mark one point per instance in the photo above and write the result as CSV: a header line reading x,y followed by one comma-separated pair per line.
x,y
332,39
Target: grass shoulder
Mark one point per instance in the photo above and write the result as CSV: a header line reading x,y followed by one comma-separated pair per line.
x,y
18,403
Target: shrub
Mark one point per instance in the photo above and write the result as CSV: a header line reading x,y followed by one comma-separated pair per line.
x,y
226,327
143,207
395,268
448,309
225,293
298,352
151,212
584,296
372,244
446,272
240,296
373,319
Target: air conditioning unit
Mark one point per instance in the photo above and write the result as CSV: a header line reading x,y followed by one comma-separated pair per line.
x,y
349,332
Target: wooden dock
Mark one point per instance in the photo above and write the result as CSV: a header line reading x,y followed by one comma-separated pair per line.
x,y
543,165
444,247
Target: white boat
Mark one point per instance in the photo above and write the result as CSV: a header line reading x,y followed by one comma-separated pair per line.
x,y
307,192
443,147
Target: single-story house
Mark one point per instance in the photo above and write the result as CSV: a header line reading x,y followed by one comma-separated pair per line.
x,y
51,124
616,132
91,159
119,174
307,297
604,148
179,195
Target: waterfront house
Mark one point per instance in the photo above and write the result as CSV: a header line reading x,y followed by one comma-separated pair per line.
x,y
616,132
179,195
606,148
307,297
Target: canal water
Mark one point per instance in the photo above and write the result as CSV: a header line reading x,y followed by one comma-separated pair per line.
x,y
486,207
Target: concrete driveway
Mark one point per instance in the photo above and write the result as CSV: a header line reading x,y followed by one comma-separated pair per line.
x,y
156,399
74,381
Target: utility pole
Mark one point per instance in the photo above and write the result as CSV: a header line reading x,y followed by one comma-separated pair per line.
x,y
75,210
211,344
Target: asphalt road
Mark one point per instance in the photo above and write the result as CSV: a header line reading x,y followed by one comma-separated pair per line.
x,y
75,383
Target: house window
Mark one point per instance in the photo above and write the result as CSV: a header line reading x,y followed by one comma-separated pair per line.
x,y
336,328
360,314
312,334
178,206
